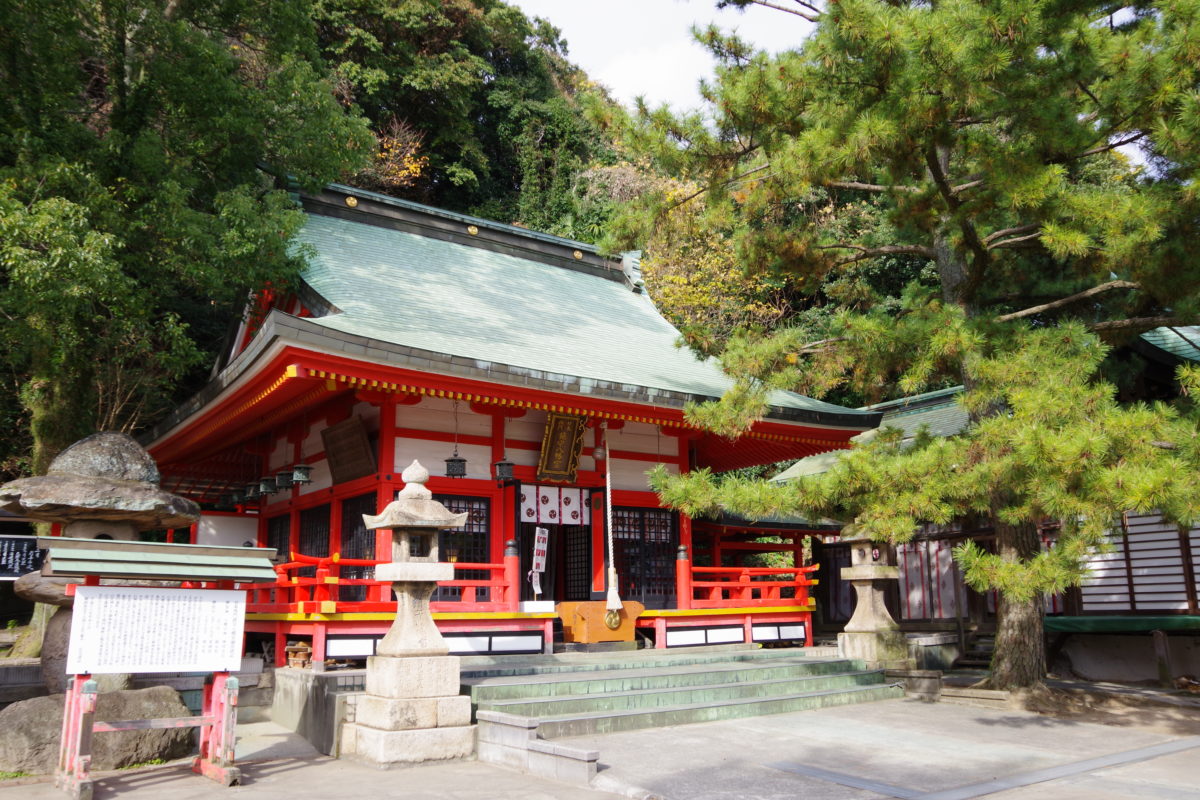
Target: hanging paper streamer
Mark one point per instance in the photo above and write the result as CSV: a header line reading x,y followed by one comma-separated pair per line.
x,y
541,544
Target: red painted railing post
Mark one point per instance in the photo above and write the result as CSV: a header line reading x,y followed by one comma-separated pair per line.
x,y
683,579
512,575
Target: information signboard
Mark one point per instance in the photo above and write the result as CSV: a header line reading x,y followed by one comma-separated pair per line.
x,y
139,629
18,556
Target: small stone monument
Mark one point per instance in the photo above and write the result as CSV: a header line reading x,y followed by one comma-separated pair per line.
x,y
872,635
412,710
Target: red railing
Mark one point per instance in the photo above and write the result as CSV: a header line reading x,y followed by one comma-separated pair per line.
x,y
318,593
742,587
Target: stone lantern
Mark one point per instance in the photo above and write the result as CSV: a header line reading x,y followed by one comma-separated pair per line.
x,y
412,710
105,486
871,635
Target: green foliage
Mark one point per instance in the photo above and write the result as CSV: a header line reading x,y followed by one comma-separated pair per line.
x,y
497,110
134,217
973,145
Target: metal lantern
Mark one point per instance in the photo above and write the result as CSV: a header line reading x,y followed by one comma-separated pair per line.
x,y
503,470
251,492
456,466
235,497
283,479
266,485
300,474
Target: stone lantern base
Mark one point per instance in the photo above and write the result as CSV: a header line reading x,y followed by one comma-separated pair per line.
x,y
879,649
412,712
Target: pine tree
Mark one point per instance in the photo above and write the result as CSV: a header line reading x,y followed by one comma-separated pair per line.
x,y
991,140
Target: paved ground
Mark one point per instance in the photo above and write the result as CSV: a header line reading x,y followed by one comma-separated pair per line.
x,y
900,748
897,748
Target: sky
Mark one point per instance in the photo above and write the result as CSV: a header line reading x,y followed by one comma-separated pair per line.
x,y
645,47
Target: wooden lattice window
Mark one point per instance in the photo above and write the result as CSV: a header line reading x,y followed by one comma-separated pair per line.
x,y
470,543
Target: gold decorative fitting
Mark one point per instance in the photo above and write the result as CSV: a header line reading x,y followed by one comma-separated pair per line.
x,y
352,202
471,229
578,255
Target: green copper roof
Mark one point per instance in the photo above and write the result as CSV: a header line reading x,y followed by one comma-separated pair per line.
x,y
1181,341
492,308
937,411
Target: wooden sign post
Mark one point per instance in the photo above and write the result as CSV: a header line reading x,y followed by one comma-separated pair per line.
x,y
119,629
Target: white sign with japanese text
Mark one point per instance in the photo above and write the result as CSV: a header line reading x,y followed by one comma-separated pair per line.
x,y
141,629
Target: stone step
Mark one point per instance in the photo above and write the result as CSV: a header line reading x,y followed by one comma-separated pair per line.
x,y
612,721
679,696
498,666
559,684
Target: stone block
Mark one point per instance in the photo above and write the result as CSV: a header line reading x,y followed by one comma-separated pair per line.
x,y
507,735
347,741
511,757
433,676
385,748
453,711
391,714
543,765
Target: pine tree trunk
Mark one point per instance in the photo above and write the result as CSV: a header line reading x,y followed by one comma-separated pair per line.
x,y
1019,660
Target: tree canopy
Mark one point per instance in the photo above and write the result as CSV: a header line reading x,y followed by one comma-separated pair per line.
x,y
493,112
1030,168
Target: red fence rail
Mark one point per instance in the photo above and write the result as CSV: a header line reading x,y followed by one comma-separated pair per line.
x,y
499,590
742,587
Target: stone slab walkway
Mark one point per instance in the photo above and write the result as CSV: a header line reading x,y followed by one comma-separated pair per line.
x,y
898,749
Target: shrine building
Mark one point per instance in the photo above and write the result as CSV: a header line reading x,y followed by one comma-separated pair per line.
x,y
533,377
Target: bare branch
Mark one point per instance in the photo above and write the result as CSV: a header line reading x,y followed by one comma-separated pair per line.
x,y
887,250
991,237
726,182
816,15
1110,146
873,187
1138,324
1066,301
1017,241
818,346
962,187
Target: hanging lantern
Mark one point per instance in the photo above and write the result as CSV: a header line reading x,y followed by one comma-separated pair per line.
x,y
283,479
456,466
503,470
266,485
300,474
251,492
235,497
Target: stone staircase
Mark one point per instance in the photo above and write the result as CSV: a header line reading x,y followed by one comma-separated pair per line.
x,y
577,694
979,653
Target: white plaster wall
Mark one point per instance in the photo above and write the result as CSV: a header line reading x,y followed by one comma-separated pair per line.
x,y
226,531
281,455
433,455
437,414
642,438
527,428
632,474
319,478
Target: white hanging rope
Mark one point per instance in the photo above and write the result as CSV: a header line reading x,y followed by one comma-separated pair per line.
x,y
613,602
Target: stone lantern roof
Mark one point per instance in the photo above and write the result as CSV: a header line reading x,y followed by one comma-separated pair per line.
x,y
103,477
414,506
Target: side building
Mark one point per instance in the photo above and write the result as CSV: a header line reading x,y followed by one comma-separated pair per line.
x,y
534,378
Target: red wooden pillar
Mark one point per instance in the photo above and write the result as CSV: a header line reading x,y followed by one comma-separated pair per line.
x,y
512,576
683,579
